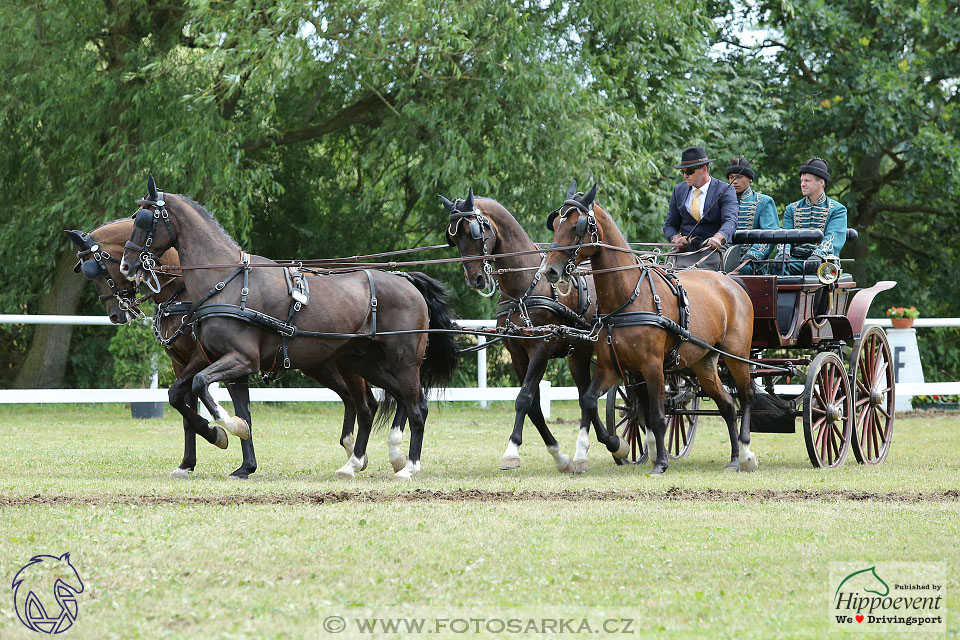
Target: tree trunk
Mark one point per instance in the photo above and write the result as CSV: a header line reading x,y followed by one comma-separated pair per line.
x,y
46,359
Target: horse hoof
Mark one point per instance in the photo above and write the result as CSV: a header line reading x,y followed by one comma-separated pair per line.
x,y
364,465
240,428
345,472
180,474
508,463
398,462
409,470
223,441
237,476
579,466
733,467
623,450
751,464
563,463
657,472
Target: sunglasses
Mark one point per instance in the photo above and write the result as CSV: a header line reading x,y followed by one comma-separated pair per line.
x,y
689,171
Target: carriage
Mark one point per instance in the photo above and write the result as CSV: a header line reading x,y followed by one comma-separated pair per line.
x,y
808,327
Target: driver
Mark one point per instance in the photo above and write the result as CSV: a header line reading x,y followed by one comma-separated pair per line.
x,y
702,215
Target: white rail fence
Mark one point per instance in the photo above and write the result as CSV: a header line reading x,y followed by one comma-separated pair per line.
x,y
481,393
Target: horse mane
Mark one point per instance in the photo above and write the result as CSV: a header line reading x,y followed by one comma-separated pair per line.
x,y
615,225
199,207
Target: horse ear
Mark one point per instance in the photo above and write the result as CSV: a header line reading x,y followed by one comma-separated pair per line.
x,y
572,191
588,199
151,188
469,203
77,237
449,206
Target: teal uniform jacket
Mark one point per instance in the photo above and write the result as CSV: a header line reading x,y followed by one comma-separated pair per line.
x,y
827,215
757,211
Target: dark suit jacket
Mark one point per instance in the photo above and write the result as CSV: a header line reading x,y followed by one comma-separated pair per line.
x,y
720,211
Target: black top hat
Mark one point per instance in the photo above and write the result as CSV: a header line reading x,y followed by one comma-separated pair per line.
x,y
693,157
816,166
740,166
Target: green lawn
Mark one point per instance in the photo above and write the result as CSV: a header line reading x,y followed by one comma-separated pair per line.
x,y
696,553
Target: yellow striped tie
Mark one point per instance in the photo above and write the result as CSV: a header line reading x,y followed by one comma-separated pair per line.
x,y
695,205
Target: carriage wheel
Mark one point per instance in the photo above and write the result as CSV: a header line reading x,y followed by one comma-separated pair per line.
x,y
681,430
871,376
827,415
617,422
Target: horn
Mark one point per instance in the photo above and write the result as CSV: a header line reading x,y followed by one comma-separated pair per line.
x,y
588,199
151,188
77,237
449,206
469,203
572,191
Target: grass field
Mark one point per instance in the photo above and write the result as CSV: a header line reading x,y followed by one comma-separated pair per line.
x,y
694,554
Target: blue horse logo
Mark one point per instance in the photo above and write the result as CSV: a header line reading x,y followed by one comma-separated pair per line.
x,y
37,579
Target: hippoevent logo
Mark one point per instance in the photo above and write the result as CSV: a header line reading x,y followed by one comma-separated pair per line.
x,y
892,596
45,593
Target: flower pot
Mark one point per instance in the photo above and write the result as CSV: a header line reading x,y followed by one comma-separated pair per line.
x,y
902,323
146,410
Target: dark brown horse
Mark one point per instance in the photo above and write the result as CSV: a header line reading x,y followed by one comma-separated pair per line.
x,y
482,227
99,253
633,300
355,316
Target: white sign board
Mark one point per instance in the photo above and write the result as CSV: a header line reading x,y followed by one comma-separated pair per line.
x,y
906,362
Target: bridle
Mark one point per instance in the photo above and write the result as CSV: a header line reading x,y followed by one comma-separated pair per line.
x,y
586,225
152,210
96,268
478,224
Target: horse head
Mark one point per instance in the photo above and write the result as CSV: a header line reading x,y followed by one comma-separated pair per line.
x,y
100,265
152,234
573,223
473,234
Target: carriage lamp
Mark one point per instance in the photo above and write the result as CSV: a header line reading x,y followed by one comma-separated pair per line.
x,y
828,273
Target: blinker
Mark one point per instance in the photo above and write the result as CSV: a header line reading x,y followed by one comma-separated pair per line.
x,y
91,269
475,232
581,227
143,219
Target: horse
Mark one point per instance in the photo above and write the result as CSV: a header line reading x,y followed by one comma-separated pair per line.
x,y
483,227
374,323
98,251
644,327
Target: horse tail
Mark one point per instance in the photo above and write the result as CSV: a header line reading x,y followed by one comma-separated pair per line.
x,y
442,354
769,413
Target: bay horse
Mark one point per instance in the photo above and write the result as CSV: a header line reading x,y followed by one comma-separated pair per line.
x,y
638,303
482,227
373,322
99,262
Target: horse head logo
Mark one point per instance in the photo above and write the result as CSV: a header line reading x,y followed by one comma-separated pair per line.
x,y
865,580
32,588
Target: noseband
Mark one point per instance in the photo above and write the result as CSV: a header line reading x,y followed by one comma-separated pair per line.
x,y
477,223
146,218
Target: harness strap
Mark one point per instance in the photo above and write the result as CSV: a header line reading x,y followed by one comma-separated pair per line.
x,y
373,304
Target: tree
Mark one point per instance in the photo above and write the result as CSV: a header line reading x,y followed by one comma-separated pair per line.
x,y
881,85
